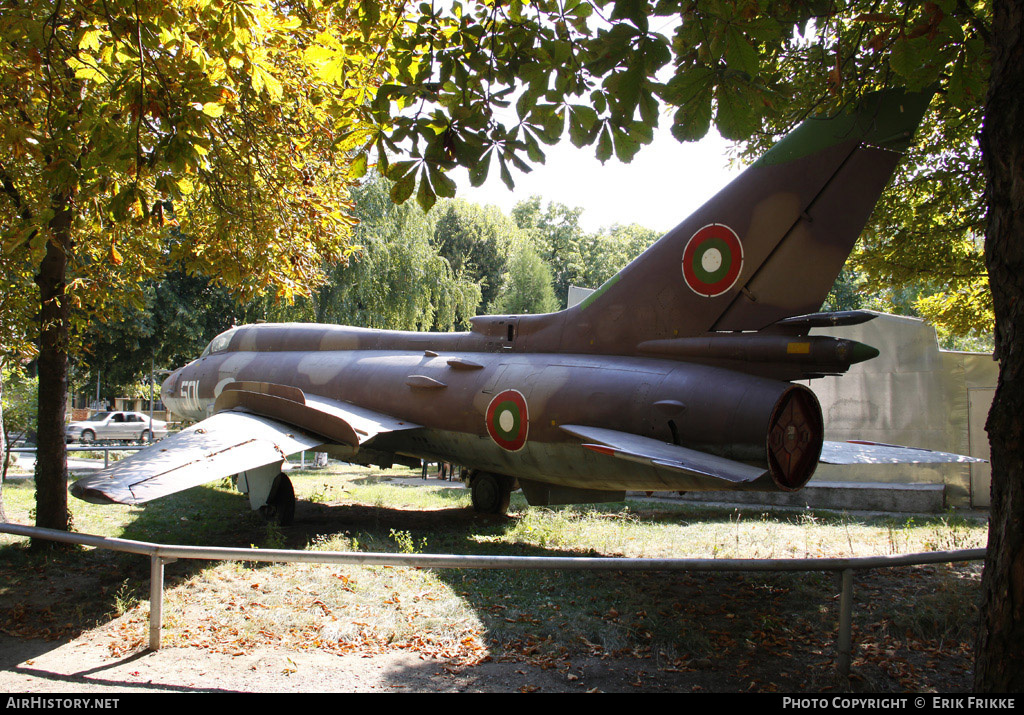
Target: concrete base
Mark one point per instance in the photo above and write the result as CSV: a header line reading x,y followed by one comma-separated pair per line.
x,y
840,496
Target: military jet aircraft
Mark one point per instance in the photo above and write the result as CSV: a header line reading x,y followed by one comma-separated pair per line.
x,y
675,375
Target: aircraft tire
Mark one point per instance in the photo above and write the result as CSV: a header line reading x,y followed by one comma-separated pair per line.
x,y
491,493
280,506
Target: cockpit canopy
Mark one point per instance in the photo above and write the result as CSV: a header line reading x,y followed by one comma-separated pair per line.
x,y
220,343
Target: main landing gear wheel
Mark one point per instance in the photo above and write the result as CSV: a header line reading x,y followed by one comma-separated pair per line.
x,y
280,506
491,493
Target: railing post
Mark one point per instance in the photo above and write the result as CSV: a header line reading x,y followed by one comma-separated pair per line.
x,y
156,598
846,624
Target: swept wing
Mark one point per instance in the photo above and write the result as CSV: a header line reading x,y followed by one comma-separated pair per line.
x,y
635,448
856,452
234,441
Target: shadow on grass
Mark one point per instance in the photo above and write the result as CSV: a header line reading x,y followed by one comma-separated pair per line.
x,y
679,622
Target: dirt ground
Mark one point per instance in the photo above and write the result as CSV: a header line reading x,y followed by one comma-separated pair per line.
x,y
85,662
96,662
84,666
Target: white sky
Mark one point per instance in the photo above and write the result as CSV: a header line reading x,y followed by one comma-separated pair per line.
x,y
663,184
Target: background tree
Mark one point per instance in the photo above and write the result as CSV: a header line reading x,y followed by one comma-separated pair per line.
x,y
18,395
122,118
556,234
573,256
168,325
925,236
476,242
3,450
605,253
395,279
16,346
399,279
527,286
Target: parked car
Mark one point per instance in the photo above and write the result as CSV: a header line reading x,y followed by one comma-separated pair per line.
x,y
115,426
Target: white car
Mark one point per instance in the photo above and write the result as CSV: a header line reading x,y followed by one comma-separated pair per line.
x,y
133,426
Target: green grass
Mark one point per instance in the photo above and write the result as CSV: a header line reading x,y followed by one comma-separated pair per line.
x,y
676,618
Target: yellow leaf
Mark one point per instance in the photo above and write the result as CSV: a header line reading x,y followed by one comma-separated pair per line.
x,y
115,255
213,109
90,40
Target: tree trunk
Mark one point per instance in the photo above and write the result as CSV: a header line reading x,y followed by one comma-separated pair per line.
x,y
3,449
51,453
1000,646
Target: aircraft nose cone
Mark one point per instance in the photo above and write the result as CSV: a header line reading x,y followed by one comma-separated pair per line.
x,y
170,386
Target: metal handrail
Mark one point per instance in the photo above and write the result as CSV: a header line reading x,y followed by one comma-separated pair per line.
x,y
105,448
162,554
76,448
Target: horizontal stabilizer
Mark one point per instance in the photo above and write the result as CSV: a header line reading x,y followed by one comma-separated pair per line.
x,y
220,446
879,453
632,447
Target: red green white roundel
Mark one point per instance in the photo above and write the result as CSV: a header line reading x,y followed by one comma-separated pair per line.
x,y
508,420
712,260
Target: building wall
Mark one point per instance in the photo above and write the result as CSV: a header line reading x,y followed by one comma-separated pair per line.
x,y
912,394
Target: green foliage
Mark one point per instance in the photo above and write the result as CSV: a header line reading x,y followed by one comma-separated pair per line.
x,y
527,288
606,253
556,234
175,319
398,279
19,393
17,307
476,242
845,293
210,116
573,256
925,235
406,543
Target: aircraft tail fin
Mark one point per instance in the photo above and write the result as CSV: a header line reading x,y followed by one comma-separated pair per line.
x,y
767,247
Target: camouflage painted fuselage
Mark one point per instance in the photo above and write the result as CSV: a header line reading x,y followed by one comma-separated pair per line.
x,y
450,382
